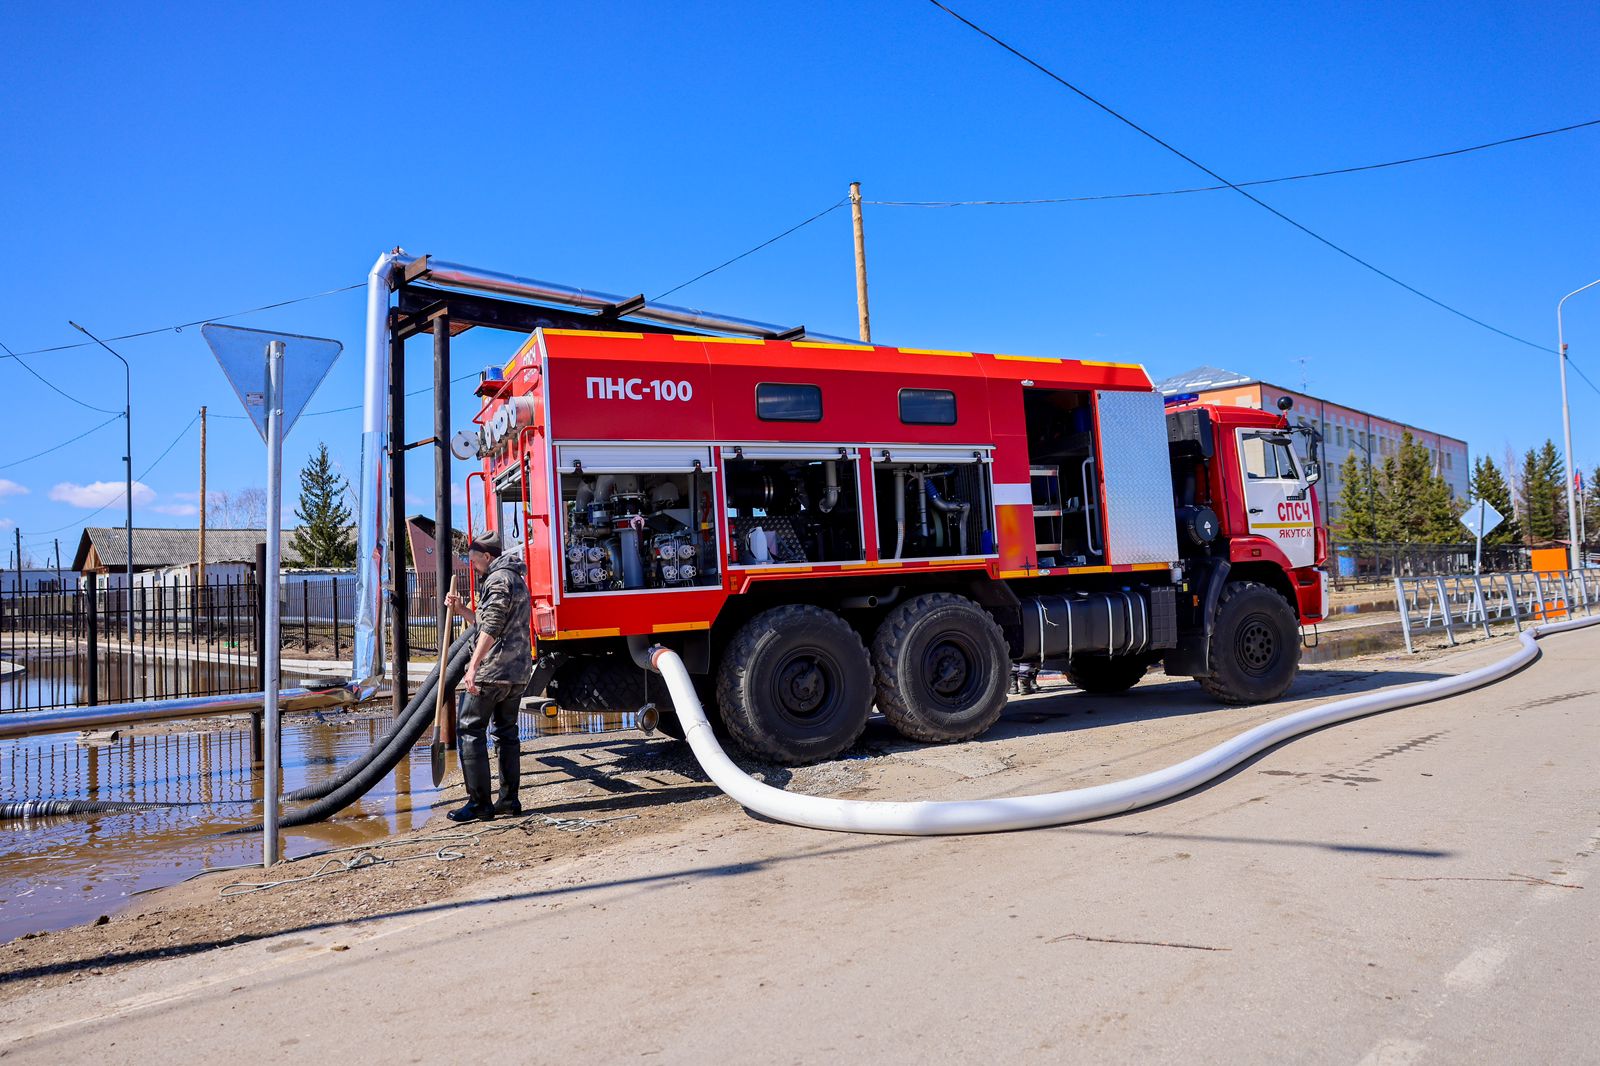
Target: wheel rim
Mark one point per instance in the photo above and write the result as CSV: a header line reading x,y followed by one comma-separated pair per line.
x,y
806,686
1256,646
952,669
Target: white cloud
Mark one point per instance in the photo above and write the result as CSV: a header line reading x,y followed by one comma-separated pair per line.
x,y
11,488
181,510
100,493
6,523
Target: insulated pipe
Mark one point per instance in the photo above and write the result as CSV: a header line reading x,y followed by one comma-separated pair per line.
x,y
830,490
114,714
940,817
947,507
366,664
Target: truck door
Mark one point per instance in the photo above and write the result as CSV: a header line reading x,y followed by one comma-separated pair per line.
x,y
1277,496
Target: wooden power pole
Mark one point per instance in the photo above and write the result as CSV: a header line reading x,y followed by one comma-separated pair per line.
x,y
200,580
861,261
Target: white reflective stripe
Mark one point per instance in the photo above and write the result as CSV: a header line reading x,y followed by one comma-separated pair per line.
x,y
1010,494
913,453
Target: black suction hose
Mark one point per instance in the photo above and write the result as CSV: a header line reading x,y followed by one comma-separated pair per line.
x,y
54,808
384,757
422,702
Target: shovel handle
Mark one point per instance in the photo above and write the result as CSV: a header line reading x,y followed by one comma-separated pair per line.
x,y
444,726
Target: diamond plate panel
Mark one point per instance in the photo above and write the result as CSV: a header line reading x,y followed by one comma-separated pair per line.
x,y
1140,524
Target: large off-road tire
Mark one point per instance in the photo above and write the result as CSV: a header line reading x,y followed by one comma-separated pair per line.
x,y
795,685
1255,645
1104,675
943,667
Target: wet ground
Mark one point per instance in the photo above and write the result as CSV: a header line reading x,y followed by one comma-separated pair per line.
x,y
59,872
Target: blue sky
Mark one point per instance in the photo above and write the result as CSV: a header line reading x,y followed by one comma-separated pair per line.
x,y
173,162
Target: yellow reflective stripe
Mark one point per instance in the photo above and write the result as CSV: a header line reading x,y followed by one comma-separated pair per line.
x,y
835,347
593,333
579,634
679,627
1031,358
933,351
719,340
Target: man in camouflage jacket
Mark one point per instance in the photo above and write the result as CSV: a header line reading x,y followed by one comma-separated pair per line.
x,y
502,665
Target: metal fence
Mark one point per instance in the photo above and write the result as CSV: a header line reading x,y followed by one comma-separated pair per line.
x,y
1352,563
1454,602
72,648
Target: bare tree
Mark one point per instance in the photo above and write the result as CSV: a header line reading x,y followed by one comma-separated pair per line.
x,y
242,509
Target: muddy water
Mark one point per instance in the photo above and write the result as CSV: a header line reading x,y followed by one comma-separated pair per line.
x,y
62,871
57,678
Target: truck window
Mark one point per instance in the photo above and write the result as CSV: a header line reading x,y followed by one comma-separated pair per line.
x,y
779,402
648,527
927,407
1267,458
792,506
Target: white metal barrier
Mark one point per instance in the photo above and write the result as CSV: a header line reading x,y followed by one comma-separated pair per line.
x,y
1456,601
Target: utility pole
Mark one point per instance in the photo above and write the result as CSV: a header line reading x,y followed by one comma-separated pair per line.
x,y
861,262
201,579
18,532
1574,552
58,564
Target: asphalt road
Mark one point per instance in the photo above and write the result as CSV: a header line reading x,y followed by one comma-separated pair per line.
x,y
1415,887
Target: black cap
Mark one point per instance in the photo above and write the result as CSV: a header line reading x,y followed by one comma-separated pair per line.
x,y
488,543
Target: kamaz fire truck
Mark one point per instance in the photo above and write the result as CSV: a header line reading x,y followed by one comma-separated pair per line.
x,y
822,528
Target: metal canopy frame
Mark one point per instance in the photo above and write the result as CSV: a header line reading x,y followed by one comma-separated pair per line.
x,y
445,300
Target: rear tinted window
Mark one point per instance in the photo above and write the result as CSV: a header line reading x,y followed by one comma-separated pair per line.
x,y
788,403
928,407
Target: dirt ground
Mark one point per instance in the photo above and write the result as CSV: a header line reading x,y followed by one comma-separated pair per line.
x,y
586,795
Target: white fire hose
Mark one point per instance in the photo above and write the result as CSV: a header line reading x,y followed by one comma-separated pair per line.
x,y
938,817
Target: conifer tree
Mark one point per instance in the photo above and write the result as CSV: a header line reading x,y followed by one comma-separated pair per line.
x,y
1490,485
323,538
1357,504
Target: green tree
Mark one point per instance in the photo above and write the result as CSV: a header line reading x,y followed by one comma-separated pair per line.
x,y
1591,509
1541,493
1357,503
1410,504
323,538
1490,485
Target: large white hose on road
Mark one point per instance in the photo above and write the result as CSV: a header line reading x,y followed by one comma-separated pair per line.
x,y
938,817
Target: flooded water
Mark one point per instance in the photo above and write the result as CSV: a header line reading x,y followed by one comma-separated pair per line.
x,y
59,872
59,678
1341,644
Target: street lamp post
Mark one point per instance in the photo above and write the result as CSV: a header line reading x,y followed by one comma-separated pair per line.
x,y
1575,550
127,461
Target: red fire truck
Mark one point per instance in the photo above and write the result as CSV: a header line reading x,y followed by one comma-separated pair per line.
x,y
821,528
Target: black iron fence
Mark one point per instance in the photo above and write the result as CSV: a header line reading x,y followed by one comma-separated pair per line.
x,y
71,648
74,647
1352,563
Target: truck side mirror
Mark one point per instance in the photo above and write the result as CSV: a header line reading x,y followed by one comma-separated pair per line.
x,y
1313,471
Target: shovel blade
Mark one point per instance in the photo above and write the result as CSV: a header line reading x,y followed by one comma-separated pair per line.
x,y
437,753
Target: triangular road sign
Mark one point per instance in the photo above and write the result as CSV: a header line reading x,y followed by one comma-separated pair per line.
x,y
1481,518
242,354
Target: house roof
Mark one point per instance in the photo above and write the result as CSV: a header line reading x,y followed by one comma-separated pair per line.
x,y
154,548
1202,378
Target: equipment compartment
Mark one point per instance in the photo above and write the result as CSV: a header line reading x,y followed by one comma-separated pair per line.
x,y
628,530
792,506
933,503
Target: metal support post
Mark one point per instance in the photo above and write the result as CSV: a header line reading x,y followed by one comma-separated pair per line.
x,y
1511,596
443,540
1483,605
399,608
274,549
1538,588
1444,611
1405,611
91,628
1566,597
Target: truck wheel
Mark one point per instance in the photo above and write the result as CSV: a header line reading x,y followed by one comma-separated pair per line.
x,y
795,685
1255,645
943,667
1103,675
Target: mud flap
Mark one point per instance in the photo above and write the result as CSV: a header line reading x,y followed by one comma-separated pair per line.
x,y
1191,658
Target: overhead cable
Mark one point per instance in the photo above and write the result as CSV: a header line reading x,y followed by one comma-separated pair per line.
x,y
52,385
1240,185
771,240
197,322
142,475
1064,83
57,447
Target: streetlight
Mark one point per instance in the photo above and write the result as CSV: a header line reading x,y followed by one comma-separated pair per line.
x,y
1575,550
127,419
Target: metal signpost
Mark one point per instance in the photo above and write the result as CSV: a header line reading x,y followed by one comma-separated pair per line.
x,y
256,363
1481,519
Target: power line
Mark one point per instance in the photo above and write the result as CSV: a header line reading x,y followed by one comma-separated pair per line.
x,y
1240,185
356,406
142,475
773,240
57,447
52,385
1064,83
197,322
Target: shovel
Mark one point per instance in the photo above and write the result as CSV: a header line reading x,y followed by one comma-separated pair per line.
x,y
441,727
